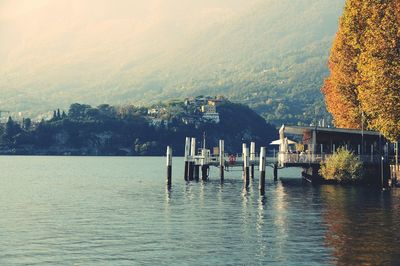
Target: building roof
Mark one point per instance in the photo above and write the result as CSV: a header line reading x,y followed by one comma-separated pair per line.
x,y
299,130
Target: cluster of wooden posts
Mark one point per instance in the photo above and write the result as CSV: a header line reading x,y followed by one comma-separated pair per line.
x,y
203,159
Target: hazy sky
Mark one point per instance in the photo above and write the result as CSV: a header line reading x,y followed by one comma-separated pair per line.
x,y
96,51
35,25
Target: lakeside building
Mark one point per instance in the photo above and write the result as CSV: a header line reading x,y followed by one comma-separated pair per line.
x,y
313,145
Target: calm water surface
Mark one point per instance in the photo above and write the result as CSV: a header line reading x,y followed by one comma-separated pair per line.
x,y
117,211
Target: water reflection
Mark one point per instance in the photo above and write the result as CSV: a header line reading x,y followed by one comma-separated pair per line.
x,y
188,192
280,220
262,251
168,192
102,213
362,226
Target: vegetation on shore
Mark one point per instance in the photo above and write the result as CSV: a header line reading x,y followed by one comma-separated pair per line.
x,y
343,166
128,130
364,84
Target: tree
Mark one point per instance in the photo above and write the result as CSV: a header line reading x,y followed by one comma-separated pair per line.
x,y
343,166
340,88
26,123
379,68
54,118
365,68
107,110
10,131
78,111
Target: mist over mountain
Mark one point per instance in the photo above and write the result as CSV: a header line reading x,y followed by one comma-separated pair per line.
x,y
269,54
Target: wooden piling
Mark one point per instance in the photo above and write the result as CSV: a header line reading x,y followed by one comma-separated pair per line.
x,y
221,159
196,172
244,147
191,162
204,165
246,167
252,158
382,172
262,171
186,158
204,172
397,170
275,172
191,171
169,166
372,153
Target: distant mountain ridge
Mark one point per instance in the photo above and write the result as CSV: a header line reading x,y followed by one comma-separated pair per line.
x,y
272,57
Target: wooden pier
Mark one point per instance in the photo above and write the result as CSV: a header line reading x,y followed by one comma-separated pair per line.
x,y
196,160
319,144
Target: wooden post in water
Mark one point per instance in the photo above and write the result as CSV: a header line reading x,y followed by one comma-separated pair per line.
x,y
221,159
192,154
244,146
186,158
169,166
262,171
204,166
252,158
197,172
275,172
372,153
246,167
396,163
382,173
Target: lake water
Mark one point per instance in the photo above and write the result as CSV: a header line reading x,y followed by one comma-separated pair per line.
x,y
117,211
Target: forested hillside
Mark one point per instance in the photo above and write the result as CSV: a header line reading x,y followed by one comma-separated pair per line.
x,y
271,55
128,130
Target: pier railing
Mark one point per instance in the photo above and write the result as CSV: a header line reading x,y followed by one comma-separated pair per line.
x,y
281,158
314,158
229,159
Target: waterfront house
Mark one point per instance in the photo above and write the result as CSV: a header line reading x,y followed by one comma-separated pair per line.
x,y
319,143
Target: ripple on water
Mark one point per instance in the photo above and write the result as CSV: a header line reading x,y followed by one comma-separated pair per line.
x,y
117,211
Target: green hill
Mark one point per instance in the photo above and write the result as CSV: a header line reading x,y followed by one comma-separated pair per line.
x,y
128,130
272,56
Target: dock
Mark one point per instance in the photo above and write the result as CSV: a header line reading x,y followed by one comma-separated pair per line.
x,y
197,162
318,144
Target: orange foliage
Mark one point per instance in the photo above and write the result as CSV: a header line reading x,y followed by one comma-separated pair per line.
x,y
340,89
365,67
379,68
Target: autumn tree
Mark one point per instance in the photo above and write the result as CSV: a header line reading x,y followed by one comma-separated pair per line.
x,y
379,68
365,67
340,88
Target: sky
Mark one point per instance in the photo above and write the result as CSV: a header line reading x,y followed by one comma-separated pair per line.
x,y
52,49
30,28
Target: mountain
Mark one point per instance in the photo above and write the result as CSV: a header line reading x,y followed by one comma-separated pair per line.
x,y
270,54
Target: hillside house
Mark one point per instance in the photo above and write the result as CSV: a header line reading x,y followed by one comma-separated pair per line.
x,y
210,113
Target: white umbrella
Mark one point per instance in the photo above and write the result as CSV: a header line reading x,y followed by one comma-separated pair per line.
x,y
279,142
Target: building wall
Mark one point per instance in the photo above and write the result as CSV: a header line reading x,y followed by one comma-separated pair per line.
x,y
208,109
